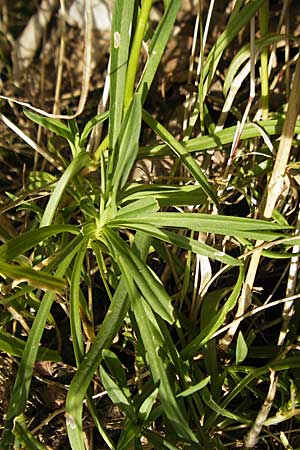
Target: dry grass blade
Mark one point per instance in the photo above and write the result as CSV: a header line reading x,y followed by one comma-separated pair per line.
x,y
274,190
29,141
56,105
29,41
288,309
87,69
253,435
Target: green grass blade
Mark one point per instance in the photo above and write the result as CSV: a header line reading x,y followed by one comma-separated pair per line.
x,y
160,442
140,207
125,150
99,118
20,392
109,328
19,245
119,54
181,152
216,322
217,409
24,436
157,47
128,435
183,242
225,225
166,195
244,54
15,347
224,137
150,287
254,373
195,388
116,368
34,278
171,408
147,405
135,50
56,126
241,350
117,395
239,20
75,320
80,161
87,368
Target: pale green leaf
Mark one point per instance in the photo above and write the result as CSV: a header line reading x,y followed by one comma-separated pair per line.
x,y
33,277
241,350
195,388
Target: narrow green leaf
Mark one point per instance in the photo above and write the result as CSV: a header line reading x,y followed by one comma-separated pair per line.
x,y
88,366
80,161
216,322
75,320
125,150
166,195
195,388
15,346
24,436
139,208
244,54
181,152
241,349
21,388
187,243
157,46
88,208
276,255
99,118
159,442
218,224
117,394
35,278
239,20
218,410
19,245
119,54
128,435
171,408
109,328
6,299
221,138
54,125
147,405
254,373
116,368
150,287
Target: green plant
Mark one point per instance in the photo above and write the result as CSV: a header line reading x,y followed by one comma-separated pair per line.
x,y
95,211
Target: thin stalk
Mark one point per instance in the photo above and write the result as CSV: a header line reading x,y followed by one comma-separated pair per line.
x,y
61,55
135,52
274,189
264,25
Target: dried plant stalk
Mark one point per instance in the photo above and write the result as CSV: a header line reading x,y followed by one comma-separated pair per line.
x,y
274,190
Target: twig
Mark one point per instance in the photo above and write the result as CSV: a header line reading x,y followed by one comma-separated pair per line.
x,y
62,26
253,435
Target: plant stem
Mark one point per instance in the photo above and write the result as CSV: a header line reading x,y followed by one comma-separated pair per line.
x,y
263,20
135,52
